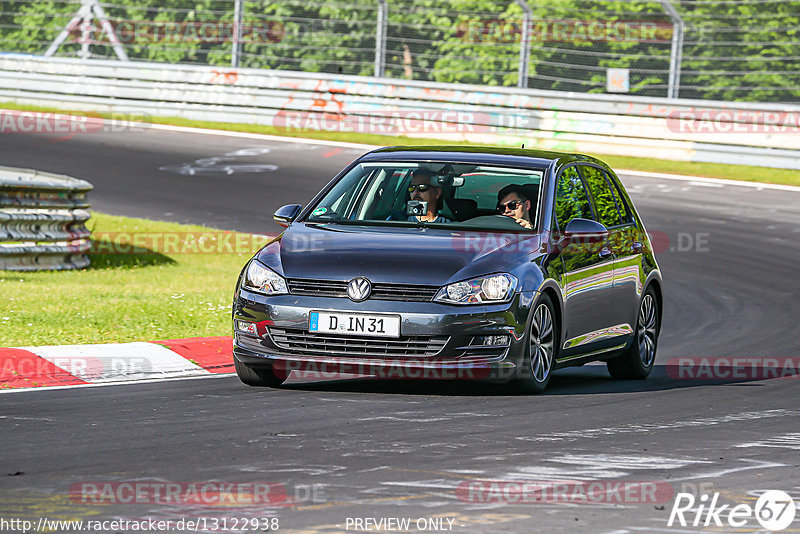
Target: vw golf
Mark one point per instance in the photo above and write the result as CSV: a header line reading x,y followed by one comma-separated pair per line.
x,y
454,262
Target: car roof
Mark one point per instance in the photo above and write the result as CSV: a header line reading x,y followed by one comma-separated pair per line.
x,y
476,154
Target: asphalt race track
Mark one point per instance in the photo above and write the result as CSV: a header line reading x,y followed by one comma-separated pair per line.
x,y
355,449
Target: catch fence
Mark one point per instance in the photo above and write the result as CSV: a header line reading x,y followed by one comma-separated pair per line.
x,y
746,50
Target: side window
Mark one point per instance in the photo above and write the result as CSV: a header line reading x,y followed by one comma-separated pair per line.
x,y
572,202
604,204
390,190
624,209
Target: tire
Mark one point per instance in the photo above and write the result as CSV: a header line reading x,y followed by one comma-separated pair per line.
x,y
257,376
541,348
637,361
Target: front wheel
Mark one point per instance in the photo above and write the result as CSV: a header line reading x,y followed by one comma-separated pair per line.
x,y
541,348
637,361
257,376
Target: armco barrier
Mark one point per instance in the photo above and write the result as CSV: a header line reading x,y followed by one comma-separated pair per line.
x,y
42,221
707,131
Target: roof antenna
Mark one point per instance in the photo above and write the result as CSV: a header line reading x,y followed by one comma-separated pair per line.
x,y
523,145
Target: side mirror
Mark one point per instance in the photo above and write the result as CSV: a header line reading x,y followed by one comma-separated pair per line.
x,y
581,233
286,214
584,227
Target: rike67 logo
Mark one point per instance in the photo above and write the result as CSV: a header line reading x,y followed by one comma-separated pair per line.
x,y
774,510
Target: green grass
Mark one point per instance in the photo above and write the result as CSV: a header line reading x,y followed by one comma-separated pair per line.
x,y
712,170
146,296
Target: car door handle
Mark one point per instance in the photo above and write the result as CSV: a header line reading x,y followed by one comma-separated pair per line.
x,y
636,247
605,252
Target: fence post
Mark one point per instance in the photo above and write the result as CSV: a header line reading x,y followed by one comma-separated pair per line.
x,y
525,44
83,20
676,50
236,49
380,38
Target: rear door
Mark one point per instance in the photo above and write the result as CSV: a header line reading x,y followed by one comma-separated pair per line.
x,y
607,207
587,272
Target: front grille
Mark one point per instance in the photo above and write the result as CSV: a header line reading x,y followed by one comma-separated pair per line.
x,y
302,342
333,288
407,292
317,288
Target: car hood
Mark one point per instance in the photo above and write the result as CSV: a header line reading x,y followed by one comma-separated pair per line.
x,y
398,255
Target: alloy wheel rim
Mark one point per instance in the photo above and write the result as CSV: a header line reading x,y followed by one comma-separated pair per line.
x,y
541,343
647,331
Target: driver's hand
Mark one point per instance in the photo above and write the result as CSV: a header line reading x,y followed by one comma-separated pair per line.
x,y
524,223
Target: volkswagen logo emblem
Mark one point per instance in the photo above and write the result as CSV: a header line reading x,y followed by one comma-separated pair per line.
x,y
358,289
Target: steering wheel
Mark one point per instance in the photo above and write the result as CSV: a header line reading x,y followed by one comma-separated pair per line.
x,y
496,221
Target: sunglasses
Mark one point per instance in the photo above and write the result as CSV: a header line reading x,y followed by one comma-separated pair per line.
x,y
422,188
510,205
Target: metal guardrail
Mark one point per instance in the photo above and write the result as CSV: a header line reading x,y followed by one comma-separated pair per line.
x,y
42,221
736,133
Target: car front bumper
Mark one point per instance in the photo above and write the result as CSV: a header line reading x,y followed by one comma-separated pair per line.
x,y
438,341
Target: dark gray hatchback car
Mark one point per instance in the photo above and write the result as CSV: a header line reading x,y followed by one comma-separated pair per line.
x,y
453,263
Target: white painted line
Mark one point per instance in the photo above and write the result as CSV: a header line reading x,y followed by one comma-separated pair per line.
x,y
671,530
785,441
622,461
698,179
249,135
115,362
120,383
594,433
705,184
755,464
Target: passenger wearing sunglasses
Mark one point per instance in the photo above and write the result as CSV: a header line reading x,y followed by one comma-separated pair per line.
x,y
513,202
423,190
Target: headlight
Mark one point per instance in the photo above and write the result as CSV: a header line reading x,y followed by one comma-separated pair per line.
x,y
264,280
489,289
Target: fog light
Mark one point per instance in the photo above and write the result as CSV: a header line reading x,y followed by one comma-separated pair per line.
x,y
244,326
491,341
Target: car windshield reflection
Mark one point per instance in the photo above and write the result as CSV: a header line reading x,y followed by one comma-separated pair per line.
x,y
442,194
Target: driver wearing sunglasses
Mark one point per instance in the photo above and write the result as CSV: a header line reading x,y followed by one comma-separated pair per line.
x,y
423,190
513,202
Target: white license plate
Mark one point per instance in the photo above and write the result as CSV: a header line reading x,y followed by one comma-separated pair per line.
x,y
354,324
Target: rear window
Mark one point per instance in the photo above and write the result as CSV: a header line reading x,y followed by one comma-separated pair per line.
x,y
572,202
604,202
483,186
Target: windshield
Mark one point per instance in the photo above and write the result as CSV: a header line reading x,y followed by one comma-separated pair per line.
x,y
433,194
